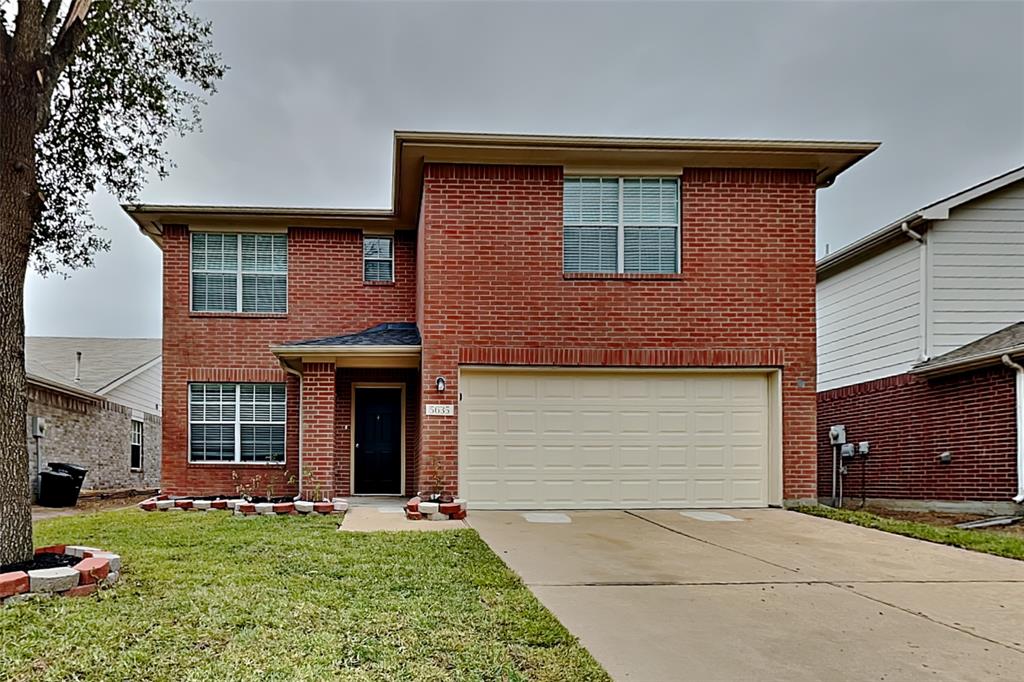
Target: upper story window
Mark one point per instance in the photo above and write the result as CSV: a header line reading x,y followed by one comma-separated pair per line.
x,y
239,273
621,225
378,259
236,423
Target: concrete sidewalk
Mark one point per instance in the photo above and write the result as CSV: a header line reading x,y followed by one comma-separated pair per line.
x,y
771,595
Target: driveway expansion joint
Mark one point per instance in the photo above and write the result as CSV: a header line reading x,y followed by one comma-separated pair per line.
x,y
670,529
919,614
738,583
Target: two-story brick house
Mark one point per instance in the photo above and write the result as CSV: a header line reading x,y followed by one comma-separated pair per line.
x,y
537,322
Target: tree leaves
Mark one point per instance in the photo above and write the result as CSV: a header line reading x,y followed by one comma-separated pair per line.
x,y
139,76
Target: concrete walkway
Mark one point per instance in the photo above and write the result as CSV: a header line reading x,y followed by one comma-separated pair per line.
x,y
769,595
369,514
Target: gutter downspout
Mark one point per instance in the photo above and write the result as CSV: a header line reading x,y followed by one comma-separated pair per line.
x,y
1020,426
905,227
298,374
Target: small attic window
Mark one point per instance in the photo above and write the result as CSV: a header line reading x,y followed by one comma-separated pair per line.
x,y
378,259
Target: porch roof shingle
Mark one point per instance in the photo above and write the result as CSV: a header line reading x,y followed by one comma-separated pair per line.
x,y
387,334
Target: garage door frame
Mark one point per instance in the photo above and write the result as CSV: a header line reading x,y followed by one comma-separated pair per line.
x,y
773,377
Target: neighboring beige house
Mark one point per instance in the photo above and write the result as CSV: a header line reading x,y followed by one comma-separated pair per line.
x,y
100,402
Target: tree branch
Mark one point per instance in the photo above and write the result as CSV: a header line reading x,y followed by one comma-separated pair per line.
x,y
49,20
26,27
71,37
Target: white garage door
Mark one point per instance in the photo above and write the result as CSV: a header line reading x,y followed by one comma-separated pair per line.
x,y
606,440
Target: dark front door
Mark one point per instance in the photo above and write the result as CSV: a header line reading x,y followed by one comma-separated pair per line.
x,y
378,438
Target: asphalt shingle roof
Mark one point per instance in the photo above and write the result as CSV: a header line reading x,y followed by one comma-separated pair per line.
x,y
387,334
103,360
1002,340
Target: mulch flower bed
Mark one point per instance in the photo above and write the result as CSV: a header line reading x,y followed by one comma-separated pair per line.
x,y
257,506
68,570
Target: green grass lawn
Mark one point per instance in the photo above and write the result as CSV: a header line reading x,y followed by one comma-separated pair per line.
x,y
987,541
217,597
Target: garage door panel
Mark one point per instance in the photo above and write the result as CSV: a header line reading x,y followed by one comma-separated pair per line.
x,y
613,440
520,422
596,457
482,421
674,424
748,457
637,457
481,458
592,388
673,457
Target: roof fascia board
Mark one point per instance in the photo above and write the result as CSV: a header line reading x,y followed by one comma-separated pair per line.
x,y
298,351
412,149
870,245
938,211
62,388
966,363
128,376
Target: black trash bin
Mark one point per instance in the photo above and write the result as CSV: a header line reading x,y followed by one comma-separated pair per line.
x,y
60,486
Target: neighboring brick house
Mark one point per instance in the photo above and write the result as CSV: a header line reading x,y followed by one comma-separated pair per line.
x,y
100,401
537,322
918,346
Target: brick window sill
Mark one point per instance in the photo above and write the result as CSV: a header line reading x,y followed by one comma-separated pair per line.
x,y
239,465
243,316
371,283
624,275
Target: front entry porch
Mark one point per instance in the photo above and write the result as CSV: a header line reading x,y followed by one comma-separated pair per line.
x,y
359,411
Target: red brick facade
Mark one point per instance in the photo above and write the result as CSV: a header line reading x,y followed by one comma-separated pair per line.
x,y
326,296
910,421
493,291
483,280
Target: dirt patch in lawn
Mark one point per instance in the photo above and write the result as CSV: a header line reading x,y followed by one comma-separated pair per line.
x,y
940,519
87,505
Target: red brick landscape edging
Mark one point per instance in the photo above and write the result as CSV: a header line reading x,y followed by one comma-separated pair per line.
x,y
418,510
96,569
242,507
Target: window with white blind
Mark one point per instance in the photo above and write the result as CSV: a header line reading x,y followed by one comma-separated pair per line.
x,y
246,273
241,423
378,259
621,225
136,445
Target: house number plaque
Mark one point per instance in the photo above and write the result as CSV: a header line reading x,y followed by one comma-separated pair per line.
x,y
440,410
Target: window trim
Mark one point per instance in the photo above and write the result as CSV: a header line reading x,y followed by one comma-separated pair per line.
x,y
620,231
237,461
141,444
238,275
388,237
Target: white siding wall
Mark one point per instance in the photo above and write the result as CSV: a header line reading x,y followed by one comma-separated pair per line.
x,y
869,318
977,271
141,391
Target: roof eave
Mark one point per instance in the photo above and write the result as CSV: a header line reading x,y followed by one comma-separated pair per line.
x,y
332,351
867,246
938,210
967,363
412,149
62,388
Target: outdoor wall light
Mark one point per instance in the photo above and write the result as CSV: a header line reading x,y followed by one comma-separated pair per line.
x,y
440,384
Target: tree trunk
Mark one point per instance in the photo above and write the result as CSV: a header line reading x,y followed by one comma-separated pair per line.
x,y
19,206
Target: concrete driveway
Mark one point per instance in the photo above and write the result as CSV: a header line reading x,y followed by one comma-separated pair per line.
x,y
771,595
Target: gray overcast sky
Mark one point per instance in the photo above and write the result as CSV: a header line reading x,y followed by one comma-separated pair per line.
x,y
306,114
